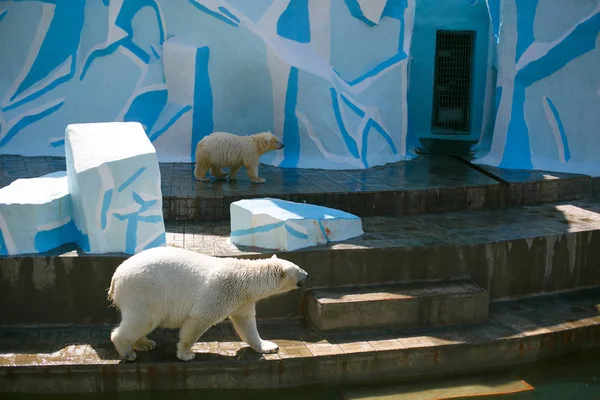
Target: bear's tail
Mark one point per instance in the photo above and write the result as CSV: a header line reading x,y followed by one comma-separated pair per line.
x,y
111,292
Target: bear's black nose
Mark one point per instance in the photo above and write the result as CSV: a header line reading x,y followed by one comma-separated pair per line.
x,y
281,145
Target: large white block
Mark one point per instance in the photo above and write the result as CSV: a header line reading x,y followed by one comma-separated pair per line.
x,y
114,182
285,225
35,215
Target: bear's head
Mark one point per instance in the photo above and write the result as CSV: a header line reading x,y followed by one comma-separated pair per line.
x,y
266,141
288,275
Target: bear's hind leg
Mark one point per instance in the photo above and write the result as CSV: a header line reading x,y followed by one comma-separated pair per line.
x,y
131,331
244,322
200,171
190,332
144,344
233,172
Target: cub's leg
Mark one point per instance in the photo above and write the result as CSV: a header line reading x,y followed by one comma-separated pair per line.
x,y
217,173
202,164
201,170
233,172
253,172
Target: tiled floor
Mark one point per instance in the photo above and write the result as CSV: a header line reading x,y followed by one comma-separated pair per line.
x,y
422,173
177,179
91,345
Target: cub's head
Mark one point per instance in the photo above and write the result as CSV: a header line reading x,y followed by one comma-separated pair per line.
x,y
288,276
266,141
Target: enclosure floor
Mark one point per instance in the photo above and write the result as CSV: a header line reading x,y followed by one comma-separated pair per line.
x,y
424,172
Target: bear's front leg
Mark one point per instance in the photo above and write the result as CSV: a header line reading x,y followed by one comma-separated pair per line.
x,y
253,173
244,322
189,333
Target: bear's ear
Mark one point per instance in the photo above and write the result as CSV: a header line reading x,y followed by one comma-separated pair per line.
x,y
274,256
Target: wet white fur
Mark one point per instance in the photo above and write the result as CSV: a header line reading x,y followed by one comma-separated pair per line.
x,y
176,288
220,149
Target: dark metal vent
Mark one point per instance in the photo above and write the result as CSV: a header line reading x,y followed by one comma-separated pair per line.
x,y
452,81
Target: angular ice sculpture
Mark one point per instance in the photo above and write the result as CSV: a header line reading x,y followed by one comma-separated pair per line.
x,y
114,182
35,215
284,225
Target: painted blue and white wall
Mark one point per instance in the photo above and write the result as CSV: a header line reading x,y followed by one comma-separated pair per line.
x,y
328,76
548,86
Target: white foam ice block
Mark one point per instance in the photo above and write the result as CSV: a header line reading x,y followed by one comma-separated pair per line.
x,y
284,225
114,182
35,215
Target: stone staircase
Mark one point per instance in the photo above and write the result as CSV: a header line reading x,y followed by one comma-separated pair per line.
x,y
417,296
483,285
74,359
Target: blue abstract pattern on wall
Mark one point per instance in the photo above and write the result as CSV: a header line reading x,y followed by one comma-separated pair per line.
x,y
57,51
185,68
329,77
549,89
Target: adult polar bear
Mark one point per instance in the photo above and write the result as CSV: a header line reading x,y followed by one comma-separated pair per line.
x,y
176,288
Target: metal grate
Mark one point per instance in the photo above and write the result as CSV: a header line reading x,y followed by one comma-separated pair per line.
x,y
452,81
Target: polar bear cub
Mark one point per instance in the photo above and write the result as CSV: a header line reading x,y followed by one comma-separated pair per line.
x,y
176,288
221,149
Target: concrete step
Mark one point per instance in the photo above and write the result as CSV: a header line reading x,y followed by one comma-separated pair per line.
x,y
72,359
402,305
510,253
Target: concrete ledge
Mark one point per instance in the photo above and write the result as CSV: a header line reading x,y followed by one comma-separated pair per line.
x,y
510,253
72,359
